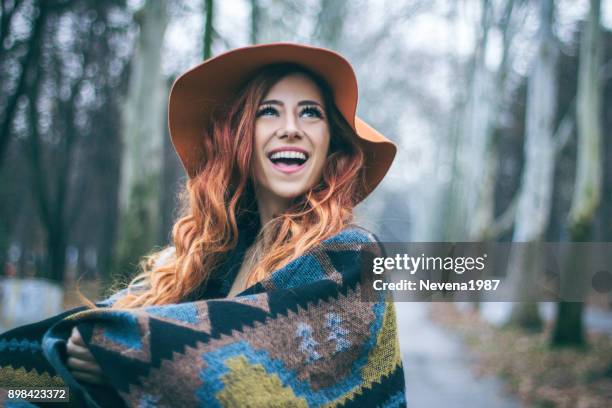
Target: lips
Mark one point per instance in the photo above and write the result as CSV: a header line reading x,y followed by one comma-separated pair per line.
x,y
288,159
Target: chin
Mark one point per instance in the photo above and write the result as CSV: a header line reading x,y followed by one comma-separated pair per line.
x,y
289,193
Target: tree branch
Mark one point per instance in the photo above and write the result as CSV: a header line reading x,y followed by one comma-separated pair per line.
x,y
63,174
5,23
564,130
504,222
605,71
208,29
28,61
372,42
38,178
217,36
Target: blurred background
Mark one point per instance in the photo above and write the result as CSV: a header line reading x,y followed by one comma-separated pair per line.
x,y
501,110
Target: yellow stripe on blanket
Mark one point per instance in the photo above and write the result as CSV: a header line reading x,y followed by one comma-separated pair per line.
x,y
251,382
11,377
382,359
385,356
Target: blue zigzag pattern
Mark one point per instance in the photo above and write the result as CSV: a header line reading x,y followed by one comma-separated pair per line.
x,y
187,312
124,330
23,345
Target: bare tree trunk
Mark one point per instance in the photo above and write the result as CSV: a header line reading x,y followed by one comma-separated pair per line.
x,y
587,191
49,205
446,226
535,194
475,155
255,21
208,28
5,22
34,47
55,215
37,176
330,22
143,134
569,329
474,179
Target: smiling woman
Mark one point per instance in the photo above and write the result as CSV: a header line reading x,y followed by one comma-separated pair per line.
x,y
259,301
291,143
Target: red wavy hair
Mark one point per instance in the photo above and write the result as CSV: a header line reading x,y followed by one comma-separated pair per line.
x,y
221,196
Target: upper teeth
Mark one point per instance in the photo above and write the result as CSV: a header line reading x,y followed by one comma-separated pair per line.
x,y
288,155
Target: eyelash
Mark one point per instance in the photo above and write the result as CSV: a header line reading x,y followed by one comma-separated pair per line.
x,y
265,109
314,109
268,108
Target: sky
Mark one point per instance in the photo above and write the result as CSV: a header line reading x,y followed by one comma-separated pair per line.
x,y
429,30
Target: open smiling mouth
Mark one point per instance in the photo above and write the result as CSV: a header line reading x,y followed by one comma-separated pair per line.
x,y
288,161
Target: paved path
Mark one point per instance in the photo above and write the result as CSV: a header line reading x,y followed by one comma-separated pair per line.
x,y
437,366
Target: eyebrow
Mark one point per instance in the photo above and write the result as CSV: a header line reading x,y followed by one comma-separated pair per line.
x,y
277,102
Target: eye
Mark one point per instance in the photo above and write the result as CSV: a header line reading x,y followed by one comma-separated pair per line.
x,y
312,112
266,110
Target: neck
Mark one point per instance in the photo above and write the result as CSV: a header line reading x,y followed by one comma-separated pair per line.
x,y
270,206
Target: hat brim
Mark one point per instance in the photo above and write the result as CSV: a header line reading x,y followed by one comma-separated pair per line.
x,y
198,91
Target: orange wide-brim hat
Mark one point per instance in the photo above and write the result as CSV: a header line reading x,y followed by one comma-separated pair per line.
x,y
198,91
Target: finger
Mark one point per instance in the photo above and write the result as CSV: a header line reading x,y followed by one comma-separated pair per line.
x,y
87,377
74,333
81,365
85,366
76,338
79,352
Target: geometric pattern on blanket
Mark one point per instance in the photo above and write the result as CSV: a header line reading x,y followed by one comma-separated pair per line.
x,y
303,337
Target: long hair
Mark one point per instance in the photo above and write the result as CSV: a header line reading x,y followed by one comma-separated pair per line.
x,y
221,197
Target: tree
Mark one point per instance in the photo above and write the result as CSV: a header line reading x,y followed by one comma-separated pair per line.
x,y
255,21
66,85
475,156
535,194
33,49
569,329
143,133
208,28
330,22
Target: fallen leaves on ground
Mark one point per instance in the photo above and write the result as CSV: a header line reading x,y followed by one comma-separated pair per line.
x,y
540,376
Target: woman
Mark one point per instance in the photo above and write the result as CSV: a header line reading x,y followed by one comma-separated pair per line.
x,y
276,161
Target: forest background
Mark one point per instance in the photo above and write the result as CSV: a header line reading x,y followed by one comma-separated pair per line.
x,y
501,110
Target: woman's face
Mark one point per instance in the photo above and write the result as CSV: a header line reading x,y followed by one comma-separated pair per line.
x,y
291,139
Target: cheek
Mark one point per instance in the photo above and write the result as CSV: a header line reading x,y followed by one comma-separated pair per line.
x,y
322,148
258,138
259,141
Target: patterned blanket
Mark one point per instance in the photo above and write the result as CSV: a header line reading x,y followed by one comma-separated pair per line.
x,y
306,336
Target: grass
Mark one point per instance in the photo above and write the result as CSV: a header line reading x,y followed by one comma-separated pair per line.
x,y
540,376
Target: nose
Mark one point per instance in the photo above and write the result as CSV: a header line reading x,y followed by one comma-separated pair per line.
x,y
291,128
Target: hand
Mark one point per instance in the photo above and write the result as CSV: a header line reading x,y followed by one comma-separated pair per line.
x,y
81,362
